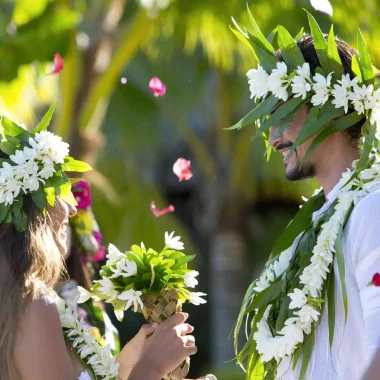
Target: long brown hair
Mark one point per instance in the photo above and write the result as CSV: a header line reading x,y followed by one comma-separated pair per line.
x,y
27,259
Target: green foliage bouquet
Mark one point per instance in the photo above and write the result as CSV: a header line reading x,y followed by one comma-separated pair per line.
x,y
150,282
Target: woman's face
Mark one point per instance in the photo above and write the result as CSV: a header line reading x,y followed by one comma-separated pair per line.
x,y
60,215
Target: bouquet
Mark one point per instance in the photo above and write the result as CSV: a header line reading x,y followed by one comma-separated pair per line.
x,y
149,282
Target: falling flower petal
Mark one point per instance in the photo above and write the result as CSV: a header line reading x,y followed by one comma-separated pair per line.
x,y
58,64
157,213
323,6
181,169
123,80
157,87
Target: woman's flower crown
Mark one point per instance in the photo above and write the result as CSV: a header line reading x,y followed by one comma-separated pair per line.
x,y
33,163
281,89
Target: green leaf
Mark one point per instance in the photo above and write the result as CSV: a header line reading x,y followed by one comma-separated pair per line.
x,y
299,34
8,147
66,194
271,35
355,67
263,108
298,224
342,123
4,210
283,314
267,60
308,345
133,256
365,61
369,132
258,34
332,51
320,43
19,217
50,193
315,121
72,165
331,305
341,269
245,41
279,114
45,121
39,197
182,260
266,296
305,247
24,137
290,52
283,123
10,127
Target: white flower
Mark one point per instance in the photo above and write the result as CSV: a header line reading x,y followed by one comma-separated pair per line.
x,y
31,184
49,147
173,242
340,95
300,87
113,254
22,156
282,263
298,298
258,81
133,297
190,280
362,98
375,113
84,295
278,81
195,298
308,314
124,268
67,320
47,171
321,89
107,289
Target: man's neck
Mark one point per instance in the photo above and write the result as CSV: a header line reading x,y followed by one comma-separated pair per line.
x,y
337,161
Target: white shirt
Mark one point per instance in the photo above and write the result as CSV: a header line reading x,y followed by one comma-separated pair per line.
x,y
356,342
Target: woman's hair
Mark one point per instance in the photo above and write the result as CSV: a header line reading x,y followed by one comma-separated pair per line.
x,y
346,52
28,260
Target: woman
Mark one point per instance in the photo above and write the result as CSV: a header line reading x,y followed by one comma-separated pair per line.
x,y
35,206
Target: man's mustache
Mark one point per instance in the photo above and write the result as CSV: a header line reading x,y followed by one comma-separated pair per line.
x,y
284,146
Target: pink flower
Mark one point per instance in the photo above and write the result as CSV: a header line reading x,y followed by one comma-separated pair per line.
x,y
376,279
157,87
158,213
82,194
58,64
100,255
182,170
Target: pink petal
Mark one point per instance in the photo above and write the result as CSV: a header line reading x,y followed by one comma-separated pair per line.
x,y
123,80
157,87
58,64
100,255
157,213
323,6
181,169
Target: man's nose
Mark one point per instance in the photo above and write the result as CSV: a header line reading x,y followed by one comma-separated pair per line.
x,y
273,140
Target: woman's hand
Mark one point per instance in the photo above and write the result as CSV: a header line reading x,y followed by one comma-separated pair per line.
x,y
131,352
166,349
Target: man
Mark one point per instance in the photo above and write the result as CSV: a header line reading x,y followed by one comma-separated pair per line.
x,y
315,310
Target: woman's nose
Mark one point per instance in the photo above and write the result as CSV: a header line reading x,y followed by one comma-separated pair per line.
x,y
72,210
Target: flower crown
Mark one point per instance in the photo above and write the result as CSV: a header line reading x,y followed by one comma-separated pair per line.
x,y
281,89
33,163
84,224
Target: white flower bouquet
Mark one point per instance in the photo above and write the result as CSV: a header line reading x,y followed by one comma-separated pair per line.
x,y
150,282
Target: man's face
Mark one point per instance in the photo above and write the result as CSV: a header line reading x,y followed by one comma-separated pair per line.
x,y
283,143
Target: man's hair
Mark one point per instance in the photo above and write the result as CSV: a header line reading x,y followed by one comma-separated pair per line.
x,y
346,52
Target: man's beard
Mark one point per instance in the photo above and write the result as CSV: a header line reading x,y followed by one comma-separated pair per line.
x,y
297,173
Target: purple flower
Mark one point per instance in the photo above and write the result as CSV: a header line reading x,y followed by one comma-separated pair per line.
x,y
82,194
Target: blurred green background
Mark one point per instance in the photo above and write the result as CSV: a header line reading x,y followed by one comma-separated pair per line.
x,y
236,204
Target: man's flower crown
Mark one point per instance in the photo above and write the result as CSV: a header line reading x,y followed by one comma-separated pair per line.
x,y
281,89
33,163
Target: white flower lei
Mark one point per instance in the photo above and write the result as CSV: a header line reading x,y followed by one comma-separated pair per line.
x,y
99,359
362,97
313,276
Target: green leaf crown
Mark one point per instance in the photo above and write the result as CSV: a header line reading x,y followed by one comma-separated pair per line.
x,y
281,89
33,164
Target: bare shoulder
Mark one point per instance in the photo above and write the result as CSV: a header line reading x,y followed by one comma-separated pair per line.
x,y
40,349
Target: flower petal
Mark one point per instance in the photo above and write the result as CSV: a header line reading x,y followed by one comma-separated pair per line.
x,y
157,213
